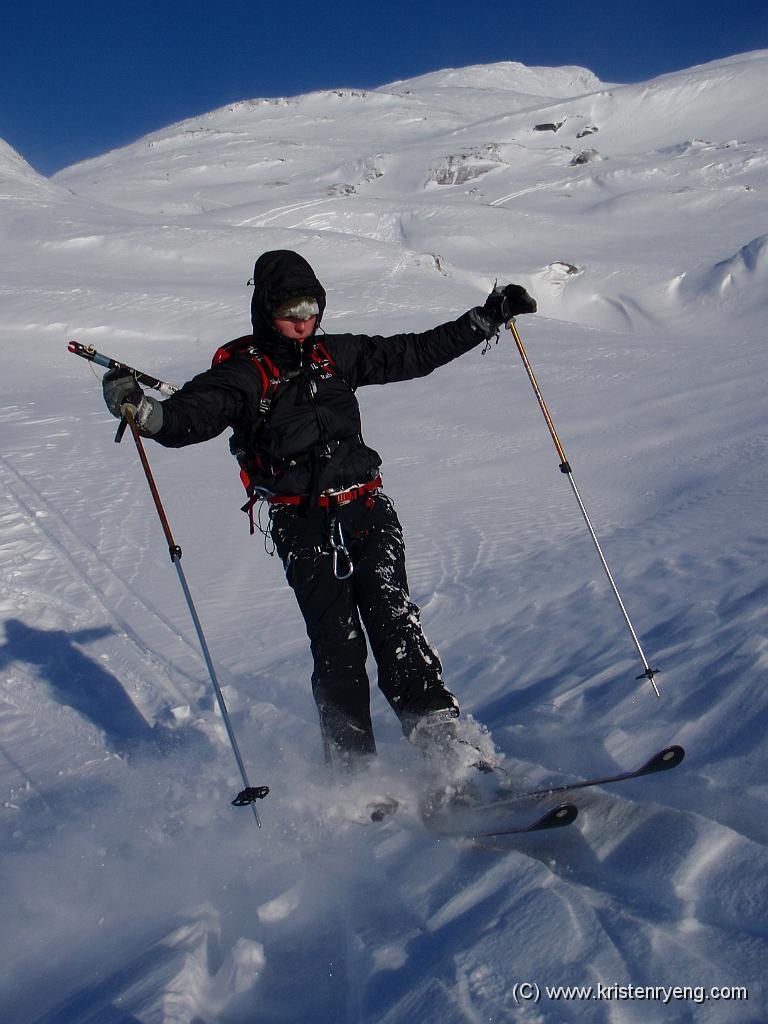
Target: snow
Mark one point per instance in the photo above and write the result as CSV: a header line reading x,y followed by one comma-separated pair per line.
x,y
132,890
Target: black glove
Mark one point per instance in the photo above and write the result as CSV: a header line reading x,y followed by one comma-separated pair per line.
x,y
121,391
506,301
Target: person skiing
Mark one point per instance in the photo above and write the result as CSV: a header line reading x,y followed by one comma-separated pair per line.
x,y
289,397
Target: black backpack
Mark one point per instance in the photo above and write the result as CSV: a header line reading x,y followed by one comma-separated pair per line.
x,y
252,464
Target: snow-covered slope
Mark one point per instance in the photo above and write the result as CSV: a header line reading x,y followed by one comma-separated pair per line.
x,y
637,215
20,184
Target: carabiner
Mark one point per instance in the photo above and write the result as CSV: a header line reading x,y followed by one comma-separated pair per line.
x,y
340,551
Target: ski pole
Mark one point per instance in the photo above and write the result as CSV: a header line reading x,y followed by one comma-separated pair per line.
x,y
565,467
90,353
250,793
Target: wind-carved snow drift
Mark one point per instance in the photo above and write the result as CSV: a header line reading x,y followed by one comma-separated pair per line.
x,y
741,278
131,889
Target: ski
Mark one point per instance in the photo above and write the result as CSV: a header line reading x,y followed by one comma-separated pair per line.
x,y
663,761
555,817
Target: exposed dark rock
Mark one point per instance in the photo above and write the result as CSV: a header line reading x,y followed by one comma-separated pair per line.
x,y
561,267
586,156
589,130
460,168
550,127
439,263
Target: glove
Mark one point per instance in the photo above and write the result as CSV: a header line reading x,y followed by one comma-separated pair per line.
x,y
121,392
506,301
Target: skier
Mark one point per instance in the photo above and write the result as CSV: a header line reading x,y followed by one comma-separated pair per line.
x,y
289,397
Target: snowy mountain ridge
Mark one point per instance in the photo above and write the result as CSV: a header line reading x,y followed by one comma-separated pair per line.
x,y
636,214
661,148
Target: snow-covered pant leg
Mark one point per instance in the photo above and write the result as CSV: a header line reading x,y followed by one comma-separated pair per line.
x,y
409,669
339,681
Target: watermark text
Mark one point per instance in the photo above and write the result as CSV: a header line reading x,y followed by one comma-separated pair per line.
x,y
530,992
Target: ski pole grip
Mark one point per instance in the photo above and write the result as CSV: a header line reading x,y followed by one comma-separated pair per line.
x,y
90,353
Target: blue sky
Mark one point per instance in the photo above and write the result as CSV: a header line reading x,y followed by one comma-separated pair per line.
x,y
82,77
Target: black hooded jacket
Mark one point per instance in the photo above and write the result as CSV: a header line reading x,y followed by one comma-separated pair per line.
x,y
311,439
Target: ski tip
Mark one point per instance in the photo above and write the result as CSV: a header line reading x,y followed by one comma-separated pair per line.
x,y
669,757
674,755
557,817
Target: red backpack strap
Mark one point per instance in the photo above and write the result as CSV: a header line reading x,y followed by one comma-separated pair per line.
x,y
270,375
270,379
232,348
322,357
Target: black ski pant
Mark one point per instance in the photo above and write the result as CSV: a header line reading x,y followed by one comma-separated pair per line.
x,y
375,598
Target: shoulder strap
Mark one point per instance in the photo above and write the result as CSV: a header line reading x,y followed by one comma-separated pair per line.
x,y
271,379
232,348
322,357
270,375
323,360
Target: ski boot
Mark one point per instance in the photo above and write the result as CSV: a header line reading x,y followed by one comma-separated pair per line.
x,y
462,764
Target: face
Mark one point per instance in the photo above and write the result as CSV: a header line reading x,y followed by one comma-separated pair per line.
x,y
294,328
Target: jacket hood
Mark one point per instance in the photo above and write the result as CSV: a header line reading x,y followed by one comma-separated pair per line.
x,y
278,276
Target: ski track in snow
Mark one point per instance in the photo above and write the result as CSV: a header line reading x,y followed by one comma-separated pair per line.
x,y
133,892
84,561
